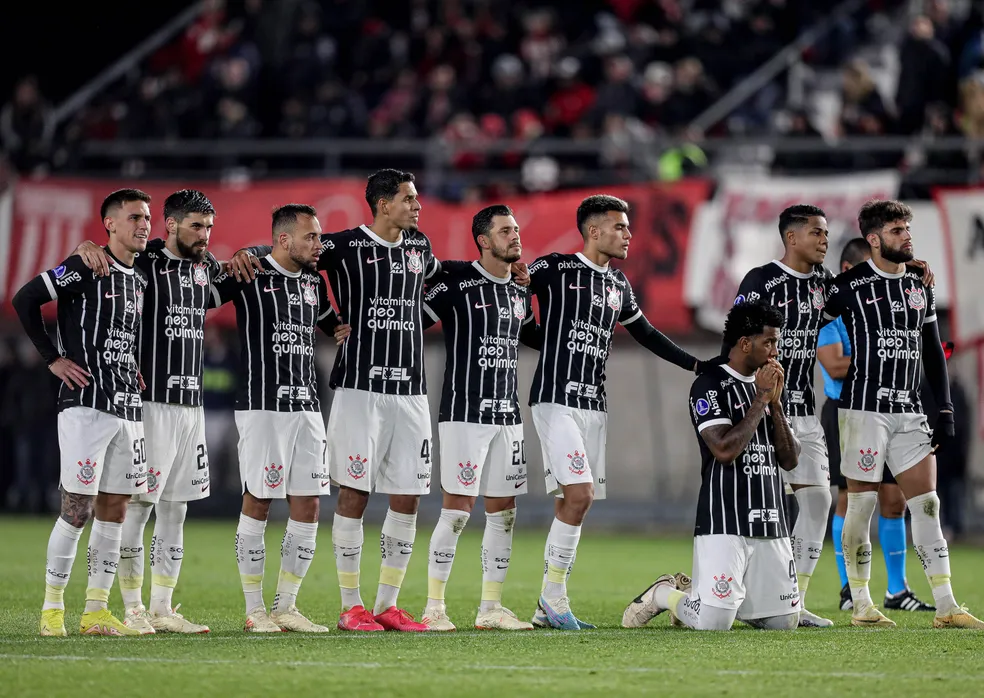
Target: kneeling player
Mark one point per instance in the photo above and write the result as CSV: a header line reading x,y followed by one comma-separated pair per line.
x,y
743,563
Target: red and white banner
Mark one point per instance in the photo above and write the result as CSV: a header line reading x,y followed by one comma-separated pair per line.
x,y
962,216
48,219
739,230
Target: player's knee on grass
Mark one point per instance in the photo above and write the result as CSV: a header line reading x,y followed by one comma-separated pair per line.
x,y
712,618
891,502
788,621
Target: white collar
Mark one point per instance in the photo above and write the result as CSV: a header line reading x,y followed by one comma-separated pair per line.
x,y
275,265
733,372
491,277
791,272
379,240
587,262
884,274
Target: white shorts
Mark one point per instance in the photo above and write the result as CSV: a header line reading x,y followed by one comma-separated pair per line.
x,y
482,459
813,467
282,453
870,439
380,442
177,459
756,576
101,453
573,443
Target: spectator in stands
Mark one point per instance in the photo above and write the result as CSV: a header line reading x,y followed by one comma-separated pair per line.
x,y
863,110
972,107
924,76
693,92
26,127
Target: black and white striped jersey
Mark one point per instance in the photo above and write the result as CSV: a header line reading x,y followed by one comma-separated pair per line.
x,y
746,497
277,315
98,326
173,331
482,318
580,303
884,315
801,298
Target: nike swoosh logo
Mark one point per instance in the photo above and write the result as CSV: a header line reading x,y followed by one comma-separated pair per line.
x,y
204,487
795,603
502,567
780,305
869,301
520,484
139,484
325,484
349,554
301,557
479,306
406,552
443,562
739,405
129,557
111,295
256,559
269,289
373,260
162,272
575,288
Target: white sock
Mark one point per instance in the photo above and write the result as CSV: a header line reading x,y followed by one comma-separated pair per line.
x,y
685,608
856,543
132,553
561,549
396,544
496,552
104,559
63,543
296,554
347,538
808,533
443,543
931,547
251,557
166,554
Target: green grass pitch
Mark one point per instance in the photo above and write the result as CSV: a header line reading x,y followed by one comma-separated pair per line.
x,y
610,570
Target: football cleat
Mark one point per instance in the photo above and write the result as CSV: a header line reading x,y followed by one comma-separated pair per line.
x,y
394,618
436,618
905,600
138,619
500,618
958,618
539,620
53,623
684,584
257,621
293,621
644,608
558,613
174,622
358,619
870,617
812,620
846,602
102,622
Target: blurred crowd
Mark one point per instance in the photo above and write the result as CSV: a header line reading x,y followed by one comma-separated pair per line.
x,y
473,72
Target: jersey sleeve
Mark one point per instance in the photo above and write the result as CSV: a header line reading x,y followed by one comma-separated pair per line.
x,y
438,297
834,305
750,288
830,334
432,265
540,272
630,311
224,288
705,403
930,306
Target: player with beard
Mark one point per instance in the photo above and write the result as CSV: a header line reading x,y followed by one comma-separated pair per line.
x,y
890,317
180,270
743,564
282,446
581,299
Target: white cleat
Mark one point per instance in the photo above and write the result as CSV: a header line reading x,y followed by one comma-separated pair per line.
x,y
870,617
500,618
174,622
293,621
436,618
684,584
257,621
812,620
644,607
138,619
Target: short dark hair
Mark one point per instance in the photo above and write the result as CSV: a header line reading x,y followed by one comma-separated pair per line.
x,y
750,318
797,215
120,197
854,252
875,214
598,204
185,202
286,215
482,221
385,184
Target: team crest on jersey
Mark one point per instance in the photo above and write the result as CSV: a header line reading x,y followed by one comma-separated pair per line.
x,y
722,586
357,467
916,298
153,479
578,464
199,275
414,264
519,307
867,462
87,472
466,474
310,297
614,298
274,476
816,297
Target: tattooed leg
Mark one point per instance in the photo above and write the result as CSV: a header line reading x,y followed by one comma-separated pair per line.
x,y
76,509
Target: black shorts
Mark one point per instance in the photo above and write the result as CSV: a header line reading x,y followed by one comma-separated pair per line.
x,y
831,432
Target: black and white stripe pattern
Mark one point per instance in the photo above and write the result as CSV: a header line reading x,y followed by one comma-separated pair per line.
x,y
98,327
884,315
482,317
277,315
173,331
580,304
378,286
801,299
746,497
